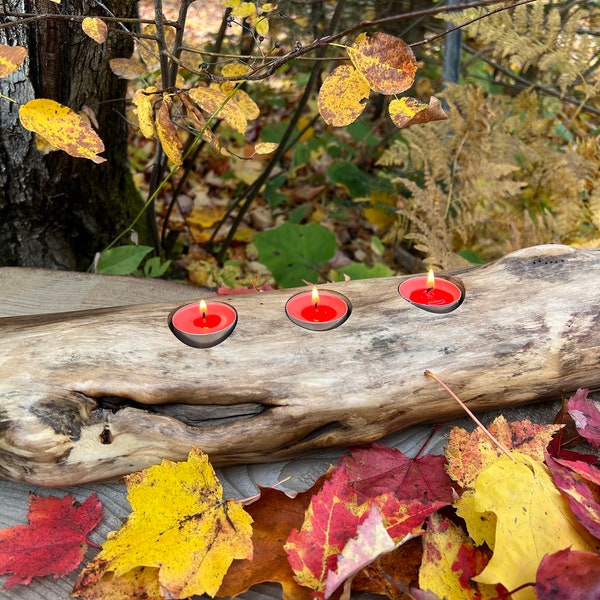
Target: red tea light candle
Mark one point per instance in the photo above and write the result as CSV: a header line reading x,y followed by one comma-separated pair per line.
x,y
203,324
318,310
436,295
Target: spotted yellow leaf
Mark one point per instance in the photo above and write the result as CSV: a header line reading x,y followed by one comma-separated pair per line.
x,y
409,111
63,128
127,68
216,103
191,539
167,132
248,106
199,122
95,28
11,58
385,61
144,101
265,147
148,48
342,96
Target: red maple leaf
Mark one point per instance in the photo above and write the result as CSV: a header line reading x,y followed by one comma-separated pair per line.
x,y
568,575
569,477
379,470
331,520
53,543
586,416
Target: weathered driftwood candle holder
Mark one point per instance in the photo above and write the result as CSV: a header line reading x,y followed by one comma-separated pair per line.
x,y
95,394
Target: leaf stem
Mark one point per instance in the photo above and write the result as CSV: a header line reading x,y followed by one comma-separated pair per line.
x,y
479,424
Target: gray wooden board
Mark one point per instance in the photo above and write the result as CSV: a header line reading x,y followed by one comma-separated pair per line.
x,y
30,291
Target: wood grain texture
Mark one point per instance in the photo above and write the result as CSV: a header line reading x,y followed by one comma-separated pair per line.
x,y
528,329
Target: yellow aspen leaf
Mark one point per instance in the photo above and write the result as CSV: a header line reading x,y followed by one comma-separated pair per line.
x,y
244,9
265,147
532,519
63,128
127,68
262,26
268,7
409,111
342,96
191,539
216,103
144,101
234,70
11,58
449,561
167,132
385,61
95,28
231,3
247,105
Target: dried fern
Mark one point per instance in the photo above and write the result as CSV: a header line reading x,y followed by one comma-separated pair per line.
x,y
493,178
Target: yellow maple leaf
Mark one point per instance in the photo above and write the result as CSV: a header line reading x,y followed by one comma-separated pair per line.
x,y
191,539
63,128
532,519
385,61
11,58
95,28
342,96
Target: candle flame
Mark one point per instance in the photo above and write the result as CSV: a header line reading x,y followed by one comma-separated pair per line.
x,y
203,308
315,296
430,280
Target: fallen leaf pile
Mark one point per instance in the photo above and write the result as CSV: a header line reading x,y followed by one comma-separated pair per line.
x,y
477,523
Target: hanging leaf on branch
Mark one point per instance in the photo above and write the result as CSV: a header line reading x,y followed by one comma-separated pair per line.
x,y
63,128
385,61
382,63
95,28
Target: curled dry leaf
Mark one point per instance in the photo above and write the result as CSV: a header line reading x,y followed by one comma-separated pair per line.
x,y
405,112
95,28
11,58
385,61
342,96
62,128
167,132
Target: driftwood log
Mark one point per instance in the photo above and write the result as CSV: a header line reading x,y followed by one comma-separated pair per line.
x,y
92,395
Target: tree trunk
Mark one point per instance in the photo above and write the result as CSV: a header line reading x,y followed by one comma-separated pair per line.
x,y
92,395
57,211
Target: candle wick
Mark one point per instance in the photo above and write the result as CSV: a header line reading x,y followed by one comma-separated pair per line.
x,y
204,315
429,289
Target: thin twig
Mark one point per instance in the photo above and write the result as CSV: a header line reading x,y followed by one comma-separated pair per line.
x,y
479,424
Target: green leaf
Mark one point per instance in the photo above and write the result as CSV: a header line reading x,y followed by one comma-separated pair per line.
x,y
359,183
154,267
292,252
361,271
122,260
472,257
272,194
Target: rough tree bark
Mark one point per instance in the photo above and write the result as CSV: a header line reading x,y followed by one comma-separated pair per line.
x,y
92,395
57,211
